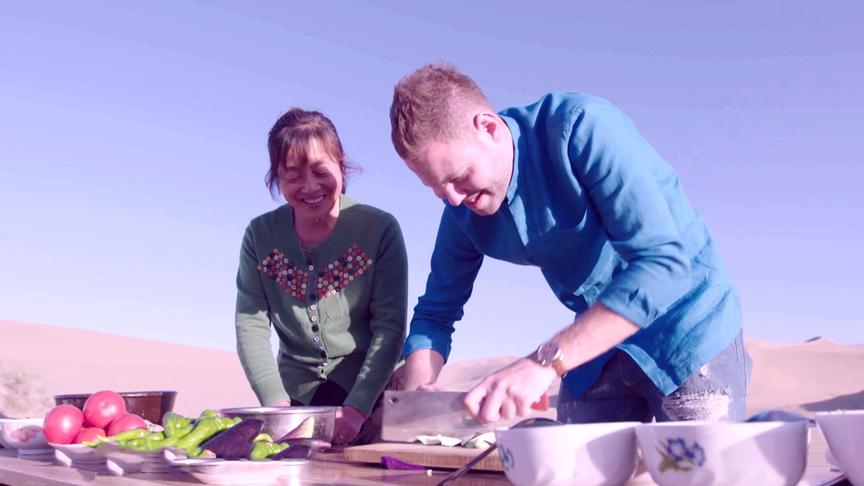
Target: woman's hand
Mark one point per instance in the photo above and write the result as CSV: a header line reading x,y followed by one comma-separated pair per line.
x,y
281,403
348,423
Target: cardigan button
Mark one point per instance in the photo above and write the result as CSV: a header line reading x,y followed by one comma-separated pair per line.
x,y
315,328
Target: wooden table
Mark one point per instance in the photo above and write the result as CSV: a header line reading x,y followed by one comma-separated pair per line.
x,y
327,469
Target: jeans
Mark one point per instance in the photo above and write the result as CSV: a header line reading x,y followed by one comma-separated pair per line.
x,y
623,393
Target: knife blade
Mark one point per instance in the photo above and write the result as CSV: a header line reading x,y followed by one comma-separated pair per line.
x,y
409,414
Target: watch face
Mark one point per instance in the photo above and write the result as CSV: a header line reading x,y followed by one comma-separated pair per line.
x,y
547,353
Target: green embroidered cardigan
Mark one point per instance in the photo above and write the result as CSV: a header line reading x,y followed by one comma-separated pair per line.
x,y
339,309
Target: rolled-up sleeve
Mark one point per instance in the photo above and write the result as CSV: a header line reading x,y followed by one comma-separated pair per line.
x,y
611,159
455,263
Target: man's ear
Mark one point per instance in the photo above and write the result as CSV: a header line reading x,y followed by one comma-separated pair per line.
x,y
487,124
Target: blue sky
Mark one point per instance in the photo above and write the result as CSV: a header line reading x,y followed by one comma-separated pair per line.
x,y
132,145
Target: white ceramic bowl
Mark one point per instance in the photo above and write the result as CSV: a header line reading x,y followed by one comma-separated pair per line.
x,y
844,431
25,435
584,454
724,453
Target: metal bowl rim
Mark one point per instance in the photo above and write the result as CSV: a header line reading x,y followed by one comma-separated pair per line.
x,y
307,410
123,394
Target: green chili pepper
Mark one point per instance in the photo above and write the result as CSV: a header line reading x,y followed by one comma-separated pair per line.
x,y
263,450
176,425
209,413
262,437
126,436
205,428
152,444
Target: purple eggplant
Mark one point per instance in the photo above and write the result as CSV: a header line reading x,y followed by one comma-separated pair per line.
x,y
235,442
293,452
316,445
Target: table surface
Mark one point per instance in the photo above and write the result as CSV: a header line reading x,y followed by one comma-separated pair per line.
x,y
326,469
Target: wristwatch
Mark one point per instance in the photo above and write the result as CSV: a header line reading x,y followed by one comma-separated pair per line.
x,y
549,354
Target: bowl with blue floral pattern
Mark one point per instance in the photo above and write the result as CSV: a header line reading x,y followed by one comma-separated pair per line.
x,y
567,454
724,453
844,431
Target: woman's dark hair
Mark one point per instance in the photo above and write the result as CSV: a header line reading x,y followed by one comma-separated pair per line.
x,y
293,135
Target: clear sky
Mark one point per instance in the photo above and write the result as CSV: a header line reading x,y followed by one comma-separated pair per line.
x,y
132,145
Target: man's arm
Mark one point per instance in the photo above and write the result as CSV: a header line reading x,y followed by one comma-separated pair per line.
x,y
455,263
593,333
628,184
421,370
615,165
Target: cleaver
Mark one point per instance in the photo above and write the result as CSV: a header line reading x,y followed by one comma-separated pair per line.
x,y
407,414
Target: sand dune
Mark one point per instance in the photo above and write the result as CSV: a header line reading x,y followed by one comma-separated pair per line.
x,y
55,360
38,361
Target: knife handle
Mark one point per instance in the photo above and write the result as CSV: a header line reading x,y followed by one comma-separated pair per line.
x,y
542,404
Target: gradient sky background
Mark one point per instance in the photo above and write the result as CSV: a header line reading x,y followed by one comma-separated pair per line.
x,y
132,145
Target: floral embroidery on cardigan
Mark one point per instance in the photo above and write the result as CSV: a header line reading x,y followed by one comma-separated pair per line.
x,y
290,277
331,279
342,271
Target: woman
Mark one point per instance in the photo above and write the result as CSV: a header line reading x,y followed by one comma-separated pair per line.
x,y
330,274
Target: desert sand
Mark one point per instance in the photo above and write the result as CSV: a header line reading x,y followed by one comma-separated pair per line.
x,y
38,361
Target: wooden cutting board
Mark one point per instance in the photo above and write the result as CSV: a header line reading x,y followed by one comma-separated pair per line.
x,y
434,456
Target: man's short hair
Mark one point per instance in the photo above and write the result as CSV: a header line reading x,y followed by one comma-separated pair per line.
x,y
431,104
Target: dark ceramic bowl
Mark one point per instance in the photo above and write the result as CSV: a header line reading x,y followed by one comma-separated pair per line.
x,y
150,405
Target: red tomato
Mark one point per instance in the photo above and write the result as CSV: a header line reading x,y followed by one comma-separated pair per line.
x,y
102,408
88,434
127,422
62,424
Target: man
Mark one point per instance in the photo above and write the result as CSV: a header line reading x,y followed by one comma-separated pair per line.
x,y
567,184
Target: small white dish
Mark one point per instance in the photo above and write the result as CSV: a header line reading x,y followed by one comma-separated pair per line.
x,y
79,456
220,471
123,461
25,436
79,453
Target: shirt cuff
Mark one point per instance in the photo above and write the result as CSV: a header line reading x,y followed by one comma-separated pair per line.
x,y
271,392
426,336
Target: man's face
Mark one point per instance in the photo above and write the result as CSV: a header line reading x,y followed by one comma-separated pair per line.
x,y
465,171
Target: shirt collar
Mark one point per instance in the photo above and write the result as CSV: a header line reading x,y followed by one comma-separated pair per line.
x,y
517,139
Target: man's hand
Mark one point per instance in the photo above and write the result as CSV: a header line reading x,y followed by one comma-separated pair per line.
x,y
348,423
509,392
420,372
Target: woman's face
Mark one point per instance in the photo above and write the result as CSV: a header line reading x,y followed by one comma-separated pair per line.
x,y
312,187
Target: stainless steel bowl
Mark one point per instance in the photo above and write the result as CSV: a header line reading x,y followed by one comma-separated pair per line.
x,y
279,421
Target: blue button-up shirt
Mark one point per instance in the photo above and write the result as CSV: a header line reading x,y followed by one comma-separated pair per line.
x,y
604,217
